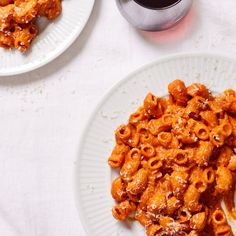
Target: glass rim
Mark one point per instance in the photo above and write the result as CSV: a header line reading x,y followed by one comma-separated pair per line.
x,y
158,8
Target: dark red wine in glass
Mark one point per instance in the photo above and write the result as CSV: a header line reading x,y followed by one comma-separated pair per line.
x,y
154,15
156,4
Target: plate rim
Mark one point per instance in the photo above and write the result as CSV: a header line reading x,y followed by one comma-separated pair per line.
x,y
58,53
107,94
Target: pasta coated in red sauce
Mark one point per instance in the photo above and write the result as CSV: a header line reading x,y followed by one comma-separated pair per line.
x,y
177,163
18,21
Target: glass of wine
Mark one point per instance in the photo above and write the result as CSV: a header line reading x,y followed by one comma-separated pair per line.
x,y
154,15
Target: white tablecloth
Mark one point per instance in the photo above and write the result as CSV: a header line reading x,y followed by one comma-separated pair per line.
x,y
42,113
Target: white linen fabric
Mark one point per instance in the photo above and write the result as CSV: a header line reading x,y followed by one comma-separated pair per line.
x,y
43,113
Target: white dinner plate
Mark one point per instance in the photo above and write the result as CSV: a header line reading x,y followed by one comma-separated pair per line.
x,y
54,38
93,175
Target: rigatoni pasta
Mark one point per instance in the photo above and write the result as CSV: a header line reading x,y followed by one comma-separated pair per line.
x,y
18,18
177,162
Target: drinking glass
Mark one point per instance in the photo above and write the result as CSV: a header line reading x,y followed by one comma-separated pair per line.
x,y
153,19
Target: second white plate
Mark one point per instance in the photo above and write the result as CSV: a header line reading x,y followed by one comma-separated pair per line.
x,y
93,175
55,37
